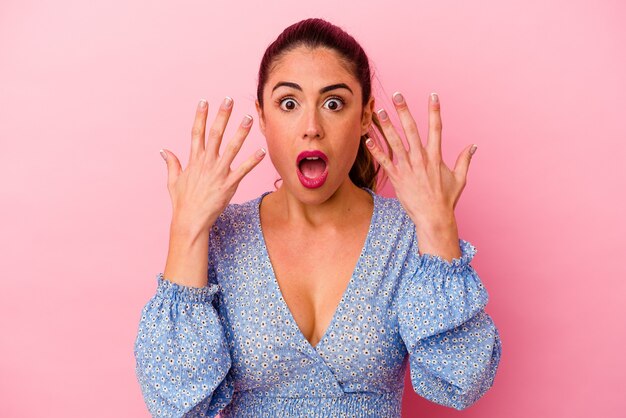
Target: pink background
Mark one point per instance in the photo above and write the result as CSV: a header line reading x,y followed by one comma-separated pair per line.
x,y
89,93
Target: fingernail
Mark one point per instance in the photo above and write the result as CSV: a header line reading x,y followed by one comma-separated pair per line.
x,y
163,154
202,104
473,149
397,98
260,153
382,114
247,121
435,97
369,142
228,102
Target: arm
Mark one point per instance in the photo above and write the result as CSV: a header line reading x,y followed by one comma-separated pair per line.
x,y
453,344
187,256
182,355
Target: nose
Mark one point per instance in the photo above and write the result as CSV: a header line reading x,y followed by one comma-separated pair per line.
x,y
312,126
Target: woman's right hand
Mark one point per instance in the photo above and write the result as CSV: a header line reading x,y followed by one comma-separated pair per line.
x,y
201,192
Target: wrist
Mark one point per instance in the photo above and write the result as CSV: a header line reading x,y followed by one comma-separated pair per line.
x,y
182,230
442,224
441,239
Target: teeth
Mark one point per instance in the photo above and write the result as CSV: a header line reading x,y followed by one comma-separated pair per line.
x,y
312,158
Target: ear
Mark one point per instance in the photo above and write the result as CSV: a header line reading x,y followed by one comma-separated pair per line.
x,y
366,120
259,111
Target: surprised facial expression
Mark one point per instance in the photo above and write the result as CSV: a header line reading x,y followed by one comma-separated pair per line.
x,y
313,111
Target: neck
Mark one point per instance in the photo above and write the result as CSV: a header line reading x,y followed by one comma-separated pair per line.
x,y
315,210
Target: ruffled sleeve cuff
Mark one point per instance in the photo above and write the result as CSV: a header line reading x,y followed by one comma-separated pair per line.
x,y
436,266
176,292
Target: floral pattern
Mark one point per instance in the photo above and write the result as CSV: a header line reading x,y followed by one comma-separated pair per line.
x,y
234,348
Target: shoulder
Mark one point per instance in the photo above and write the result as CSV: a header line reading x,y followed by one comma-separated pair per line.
x,y
391,213
235,225
237,216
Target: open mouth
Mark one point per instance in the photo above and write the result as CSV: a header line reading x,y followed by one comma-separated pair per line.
x,y
312,164
312,168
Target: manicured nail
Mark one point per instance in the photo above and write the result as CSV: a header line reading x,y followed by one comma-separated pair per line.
x,y
434,97
382,114
369,142
202,104
473,149
397,98
247,121
260,153
163,154
228,102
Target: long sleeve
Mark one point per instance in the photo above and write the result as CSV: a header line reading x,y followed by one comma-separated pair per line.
x,y
453,344
181,353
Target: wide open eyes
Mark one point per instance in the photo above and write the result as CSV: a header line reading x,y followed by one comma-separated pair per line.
x,y
334,104
287,104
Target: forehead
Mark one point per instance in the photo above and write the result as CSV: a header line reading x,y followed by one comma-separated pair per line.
x,y
314,67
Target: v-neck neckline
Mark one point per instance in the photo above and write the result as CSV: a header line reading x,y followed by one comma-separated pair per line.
x,y
346,292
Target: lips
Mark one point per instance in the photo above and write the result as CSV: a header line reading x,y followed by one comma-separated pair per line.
x,y
309,180
312,153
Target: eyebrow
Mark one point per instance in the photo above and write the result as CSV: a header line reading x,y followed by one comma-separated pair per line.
x,y
322,90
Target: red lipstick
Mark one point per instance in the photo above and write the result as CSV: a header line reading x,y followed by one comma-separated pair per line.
x,y
319,176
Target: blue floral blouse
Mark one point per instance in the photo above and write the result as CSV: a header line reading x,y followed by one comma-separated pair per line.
x,y
234,348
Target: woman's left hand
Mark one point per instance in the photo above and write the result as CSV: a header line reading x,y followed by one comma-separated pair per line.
x,y
427,189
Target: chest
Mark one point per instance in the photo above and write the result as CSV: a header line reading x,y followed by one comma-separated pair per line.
x,y
313,272
306,312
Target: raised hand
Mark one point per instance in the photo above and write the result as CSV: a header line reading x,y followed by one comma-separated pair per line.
x,y
202,191
427,189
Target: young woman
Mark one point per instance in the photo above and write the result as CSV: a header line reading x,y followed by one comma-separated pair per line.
x,y
310,300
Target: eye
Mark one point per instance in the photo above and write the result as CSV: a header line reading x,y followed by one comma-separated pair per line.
x,y
334,103
287,104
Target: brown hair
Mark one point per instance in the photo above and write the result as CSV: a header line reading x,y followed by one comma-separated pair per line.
x,y
315,33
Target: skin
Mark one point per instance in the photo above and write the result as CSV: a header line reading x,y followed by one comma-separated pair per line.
x,y
425,186
303,226
313,124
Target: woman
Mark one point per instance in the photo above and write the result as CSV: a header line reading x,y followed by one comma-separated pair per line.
x,y
315,297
